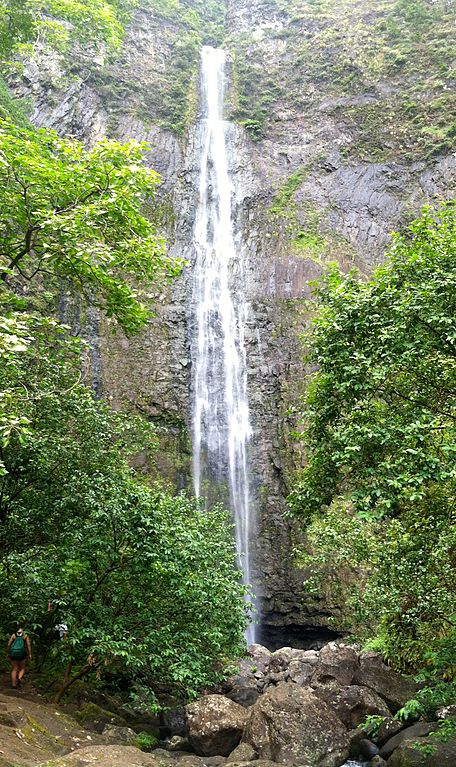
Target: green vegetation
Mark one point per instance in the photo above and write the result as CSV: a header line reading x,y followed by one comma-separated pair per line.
x,y
59,22
171,102
146,581
302,225
257,88
378,493
396,54
146,742
76,215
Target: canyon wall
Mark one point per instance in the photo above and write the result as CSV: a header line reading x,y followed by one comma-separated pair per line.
x,y
339,140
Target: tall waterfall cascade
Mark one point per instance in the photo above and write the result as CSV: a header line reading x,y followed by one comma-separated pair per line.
x,y
221,424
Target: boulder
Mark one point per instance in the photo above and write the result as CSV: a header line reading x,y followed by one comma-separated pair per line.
x,y
107,756
377,761
242,753
118,735
96,718
424,752
367,749
178,743
388,729
419,730
300,671
394,688
243,690
258,658
337,664
290,724
215,725
353,703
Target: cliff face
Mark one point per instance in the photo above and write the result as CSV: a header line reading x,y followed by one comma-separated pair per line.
x,y
340,139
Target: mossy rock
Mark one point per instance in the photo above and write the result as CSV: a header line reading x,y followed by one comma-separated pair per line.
x,y
94,717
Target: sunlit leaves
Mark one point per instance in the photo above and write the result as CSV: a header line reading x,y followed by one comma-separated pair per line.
x,y
78,215
57,22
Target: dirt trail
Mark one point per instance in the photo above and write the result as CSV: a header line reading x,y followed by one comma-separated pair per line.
x,y
33,731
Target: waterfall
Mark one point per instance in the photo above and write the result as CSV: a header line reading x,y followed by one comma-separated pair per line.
x,y
221,426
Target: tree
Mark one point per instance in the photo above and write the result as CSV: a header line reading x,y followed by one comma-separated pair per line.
x,y
56,22
380,410
378,493
146,582
71,214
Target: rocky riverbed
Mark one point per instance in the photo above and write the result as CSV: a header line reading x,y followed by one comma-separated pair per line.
x,y
293,707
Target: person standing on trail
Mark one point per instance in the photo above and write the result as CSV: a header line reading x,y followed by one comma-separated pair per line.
x,y
18,649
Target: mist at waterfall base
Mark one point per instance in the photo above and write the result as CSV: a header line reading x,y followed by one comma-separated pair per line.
x,y
221,423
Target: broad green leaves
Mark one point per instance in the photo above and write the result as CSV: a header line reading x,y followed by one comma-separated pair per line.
x,y
147,582
378,492
57,22
380,412
74,214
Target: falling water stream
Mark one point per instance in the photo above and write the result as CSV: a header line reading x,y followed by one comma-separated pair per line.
x,y
221,425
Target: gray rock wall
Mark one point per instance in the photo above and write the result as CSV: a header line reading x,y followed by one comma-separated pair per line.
x,y
340,207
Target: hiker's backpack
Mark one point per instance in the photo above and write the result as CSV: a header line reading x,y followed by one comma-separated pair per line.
x,y
17,650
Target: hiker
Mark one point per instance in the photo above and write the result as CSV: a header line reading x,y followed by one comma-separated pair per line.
x,y
60,632
18,649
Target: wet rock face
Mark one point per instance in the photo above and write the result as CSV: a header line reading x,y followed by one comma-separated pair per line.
x,y
349,204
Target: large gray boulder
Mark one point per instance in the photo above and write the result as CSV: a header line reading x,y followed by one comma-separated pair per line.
x,y
302,666
290,724
394,688
353,703
337,665
215,725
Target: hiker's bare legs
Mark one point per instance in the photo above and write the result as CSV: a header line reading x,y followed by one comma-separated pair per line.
x,y
17,672
14,672
21,670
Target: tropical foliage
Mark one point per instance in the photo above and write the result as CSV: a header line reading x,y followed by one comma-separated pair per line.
x,y
380,413
378,493
76,215
56,22
146,581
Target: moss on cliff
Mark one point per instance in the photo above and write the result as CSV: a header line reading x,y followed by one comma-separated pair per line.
x,y
385,68
172,101
302,226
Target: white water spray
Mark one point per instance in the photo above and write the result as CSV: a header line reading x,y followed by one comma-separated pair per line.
x,y
221,426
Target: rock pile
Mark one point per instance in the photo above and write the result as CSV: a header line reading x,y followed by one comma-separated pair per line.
x,y
304,708
292,707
